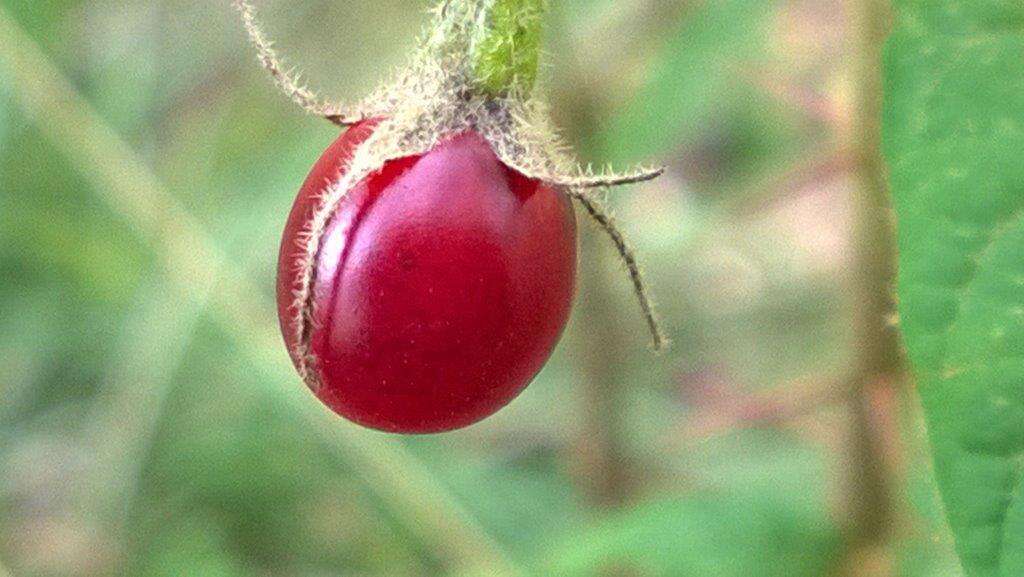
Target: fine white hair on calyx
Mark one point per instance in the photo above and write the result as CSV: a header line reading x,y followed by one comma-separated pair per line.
x,y
288,80
434,98
523,138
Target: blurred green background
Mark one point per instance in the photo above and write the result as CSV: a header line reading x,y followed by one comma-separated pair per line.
x,y
151,423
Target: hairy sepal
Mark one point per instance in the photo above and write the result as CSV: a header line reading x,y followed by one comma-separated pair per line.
x,y
432,99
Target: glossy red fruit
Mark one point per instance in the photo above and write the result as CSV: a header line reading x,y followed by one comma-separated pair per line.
x,y
441,286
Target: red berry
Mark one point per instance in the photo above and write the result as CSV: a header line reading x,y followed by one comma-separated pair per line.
x,y
441,285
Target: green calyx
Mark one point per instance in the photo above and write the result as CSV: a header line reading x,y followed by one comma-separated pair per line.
x,y
506,47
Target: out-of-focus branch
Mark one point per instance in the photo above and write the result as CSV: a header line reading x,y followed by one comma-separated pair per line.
x,y
781,185
812,105
877,359
761,409
189,255
601,461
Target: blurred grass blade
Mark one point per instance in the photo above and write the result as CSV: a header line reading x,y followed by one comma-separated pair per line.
x,y
190,257
127,409
724,535
953,135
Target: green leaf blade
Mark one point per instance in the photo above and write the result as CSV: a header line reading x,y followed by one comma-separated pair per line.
x,y
954,138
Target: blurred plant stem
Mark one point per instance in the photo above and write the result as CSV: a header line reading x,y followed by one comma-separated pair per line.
x,y
188,256
877,360
601,462
782,404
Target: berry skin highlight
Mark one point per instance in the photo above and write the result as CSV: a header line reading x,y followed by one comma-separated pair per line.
x,y
441,286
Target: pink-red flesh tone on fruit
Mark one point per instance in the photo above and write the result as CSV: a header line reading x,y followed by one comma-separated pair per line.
x,y
441,286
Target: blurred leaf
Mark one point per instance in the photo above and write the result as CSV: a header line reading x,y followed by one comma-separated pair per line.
x,y
692,78
773,467
925,547
953,136
725,535
756,514
523,502
6,124
45,19
193,546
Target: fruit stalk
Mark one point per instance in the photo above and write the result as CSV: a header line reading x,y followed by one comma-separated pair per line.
x,y
506,47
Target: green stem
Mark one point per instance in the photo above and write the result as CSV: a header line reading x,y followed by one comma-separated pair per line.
x,y
506,50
